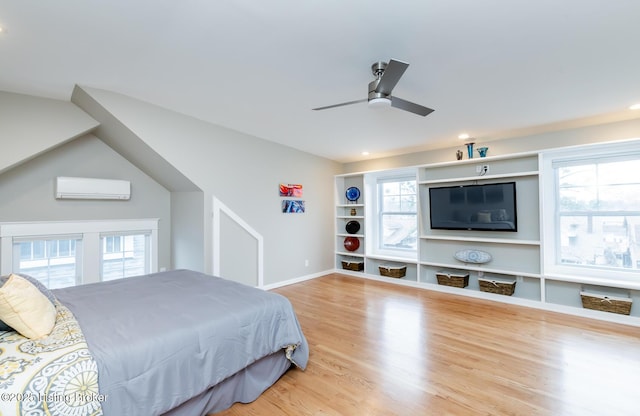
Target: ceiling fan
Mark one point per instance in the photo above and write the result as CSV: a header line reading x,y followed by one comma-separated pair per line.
x,y
387,76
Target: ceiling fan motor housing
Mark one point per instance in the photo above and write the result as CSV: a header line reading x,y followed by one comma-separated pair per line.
x,y
372,91
377,69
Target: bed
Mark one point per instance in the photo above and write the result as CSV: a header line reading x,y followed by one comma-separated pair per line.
x,y
171,343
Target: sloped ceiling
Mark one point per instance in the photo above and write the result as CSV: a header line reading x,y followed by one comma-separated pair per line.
x,y
493,68
30,126
120,138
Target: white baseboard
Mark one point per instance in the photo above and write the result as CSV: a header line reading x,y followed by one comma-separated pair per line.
x,y
296,280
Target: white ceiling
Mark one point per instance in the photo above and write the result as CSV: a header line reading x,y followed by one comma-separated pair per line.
x,y
492,68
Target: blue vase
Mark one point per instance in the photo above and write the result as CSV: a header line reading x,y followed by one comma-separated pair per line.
x,y
470,150
482,151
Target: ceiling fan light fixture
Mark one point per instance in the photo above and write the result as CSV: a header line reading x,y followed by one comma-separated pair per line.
x,y
387,76
379,102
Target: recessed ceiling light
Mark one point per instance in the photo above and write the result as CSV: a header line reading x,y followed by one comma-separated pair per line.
x,y
463,136
3,30
635,107
365,153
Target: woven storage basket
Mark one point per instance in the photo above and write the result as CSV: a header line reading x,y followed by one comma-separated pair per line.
x,y
356,266
606,303
392,271
452,279
500,287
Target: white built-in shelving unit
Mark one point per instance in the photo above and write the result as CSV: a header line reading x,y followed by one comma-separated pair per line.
x,y
516,256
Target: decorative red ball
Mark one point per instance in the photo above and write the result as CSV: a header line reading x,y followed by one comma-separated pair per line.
x,y
351,243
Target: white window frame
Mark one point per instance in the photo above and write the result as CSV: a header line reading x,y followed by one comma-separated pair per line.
x,y
90,230
372,204
122,248
549,217
47,260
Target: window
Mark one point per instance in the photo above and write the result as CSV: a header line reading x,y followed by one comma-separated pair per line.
x,y
68,253
395,200
111,244
53,261
124,256
397,214
596,214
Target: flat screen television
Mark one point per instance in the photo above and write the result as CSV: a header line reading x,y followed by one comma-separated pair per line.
x,y
487,207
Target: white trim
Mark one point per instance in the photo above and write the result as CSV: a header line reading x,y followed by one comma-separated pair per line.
x,y
548,162
372,183
37,228
297,280
90,231
218,208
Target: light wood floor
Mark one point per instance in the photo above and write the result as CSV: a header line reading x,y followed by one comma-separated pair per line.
x,y
381,349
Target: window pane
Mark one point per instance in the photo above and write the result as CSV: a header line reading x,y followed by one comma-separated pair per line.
x,y
391,203
63,248
38,249
619,197
599,215
600,241
52,248
124,256
399,231
408,203
56,270
619,172
613,186
25,250
390,188
397,222
398,196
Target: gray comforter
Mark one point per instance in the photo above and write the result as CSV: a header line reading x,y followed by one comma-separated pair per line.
x,y
164,338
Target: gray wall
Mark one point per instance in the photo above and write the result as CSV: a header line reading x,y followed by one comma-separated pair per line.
x,y
193,160
27,191
243,172
187,225
621,130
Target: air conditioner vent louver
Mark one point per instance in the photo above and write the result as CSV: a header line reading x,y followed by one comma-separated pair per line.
x,y
91,188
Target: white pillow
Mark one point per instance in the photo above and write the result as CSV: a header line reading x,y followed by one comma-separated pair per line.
x,y
24,308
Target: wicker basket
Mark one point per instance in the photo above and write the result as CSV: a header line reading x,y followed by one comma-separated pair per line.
x,y
452,279
392,271
356,266
606,303
500,287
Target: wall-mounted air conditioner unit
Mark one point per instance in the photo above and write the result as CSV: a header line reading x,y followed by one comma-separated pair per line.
x,y
91,188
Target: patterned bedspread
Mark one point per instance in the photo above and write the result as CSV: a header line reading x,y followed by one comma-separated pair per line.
x,y
55,375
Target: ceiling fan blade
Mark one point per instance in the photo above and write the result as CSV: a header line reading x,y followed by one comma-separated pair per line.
x,y
391,75
341,104
409,106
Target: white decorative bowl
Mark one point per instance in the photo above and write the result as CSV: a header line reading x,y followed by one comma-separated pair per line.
x,y
473,256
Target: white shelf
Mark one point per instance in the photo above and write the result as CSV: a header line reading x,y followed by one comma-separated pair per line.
x,y
478,268
476,160
349,253
346,217
481,240
350,205
393,258
480,177
350,235
617,283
